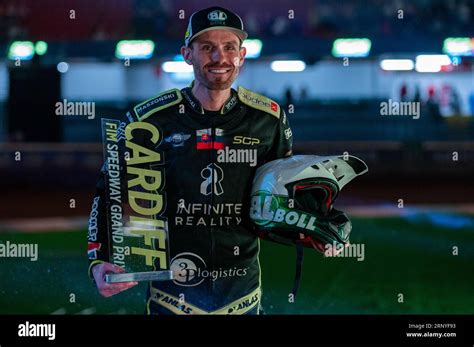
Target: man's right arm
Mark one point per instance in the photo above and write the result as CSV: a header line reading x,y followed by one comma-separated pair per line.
x,y
98,238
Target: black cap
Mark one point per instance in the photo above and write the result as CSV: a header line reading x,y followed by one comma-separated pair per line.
x,y
214,18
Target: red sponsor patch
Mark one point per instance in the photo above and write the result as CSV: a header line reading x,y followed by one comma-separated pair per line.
x,y
92,248
274,106
93,245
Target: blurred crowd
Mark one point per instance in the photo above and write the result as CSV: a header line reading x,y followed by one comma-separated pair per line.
x,y
263,18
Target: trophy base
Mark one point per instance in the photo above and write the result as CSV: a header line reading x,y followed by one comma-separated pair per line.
x,y
139,276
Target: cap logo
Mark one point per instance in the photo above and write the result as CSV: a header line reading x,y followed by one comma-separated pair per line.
x,y
217,16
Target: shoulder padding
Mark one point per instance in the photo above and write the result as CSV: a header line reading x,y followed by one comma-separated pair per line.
x,y
259,102
160,102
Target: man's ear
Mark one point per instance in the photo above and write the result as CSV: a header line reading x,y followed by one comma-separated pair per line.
x,y
243,53
186,52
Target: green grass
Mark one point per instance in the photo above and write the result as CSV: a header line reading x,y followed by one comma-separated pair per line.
x,y
401,257
46,285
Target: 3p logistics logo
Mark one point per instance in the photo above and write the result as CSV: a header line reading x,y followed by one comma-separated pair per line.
x,y
190,270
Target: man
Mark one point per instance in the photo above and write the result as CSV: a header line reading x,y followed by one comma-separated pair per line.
x,y
215,137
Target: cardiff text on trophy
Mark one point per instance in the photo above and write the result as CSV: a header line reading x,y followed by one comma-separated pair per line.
x,y
137,228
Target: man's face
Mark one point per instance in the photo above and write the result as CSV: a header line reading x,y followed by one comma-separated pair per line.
x,y
216,57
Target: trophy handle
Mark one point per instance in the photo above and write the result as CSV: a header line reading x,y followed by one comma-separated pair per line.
x,y
139,276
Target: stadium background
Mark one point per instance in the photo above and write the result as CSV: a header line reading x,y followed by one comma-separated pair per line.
x,y
426,162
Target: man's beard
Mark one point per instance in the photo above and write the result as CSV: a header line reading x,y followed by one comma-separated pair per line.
x,y
217,84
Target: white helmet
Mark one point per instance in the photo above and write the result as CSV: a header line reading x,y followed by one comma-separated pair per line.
x,y
292,199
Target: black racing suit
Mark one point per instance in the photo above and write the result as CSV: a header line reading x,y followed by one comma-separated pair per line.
x,y
209,161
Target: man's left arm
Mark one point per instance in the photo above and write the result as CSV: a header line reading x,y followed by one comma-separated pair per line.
x,y
283,142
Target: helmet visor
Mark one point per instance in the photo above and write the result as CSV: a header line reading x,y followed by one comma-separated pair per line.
x,y
314,196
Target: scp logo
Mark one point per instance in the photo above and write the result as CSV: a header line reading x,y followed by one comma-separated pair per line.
x,y
186,268
244,140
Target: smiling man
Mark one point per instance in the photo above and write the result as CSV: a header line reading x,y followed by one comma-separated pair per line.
x,y
214,138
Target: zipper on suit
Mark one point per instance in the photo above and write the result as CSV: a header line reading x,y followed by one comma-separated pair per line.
x,y
213,246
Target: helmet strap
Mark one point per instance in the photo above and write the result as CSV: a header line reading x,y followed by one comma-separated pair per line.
x,y
298,270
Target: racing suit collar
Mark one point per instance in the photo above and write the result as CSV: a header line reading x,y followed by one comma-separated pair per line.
x,y
196,105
